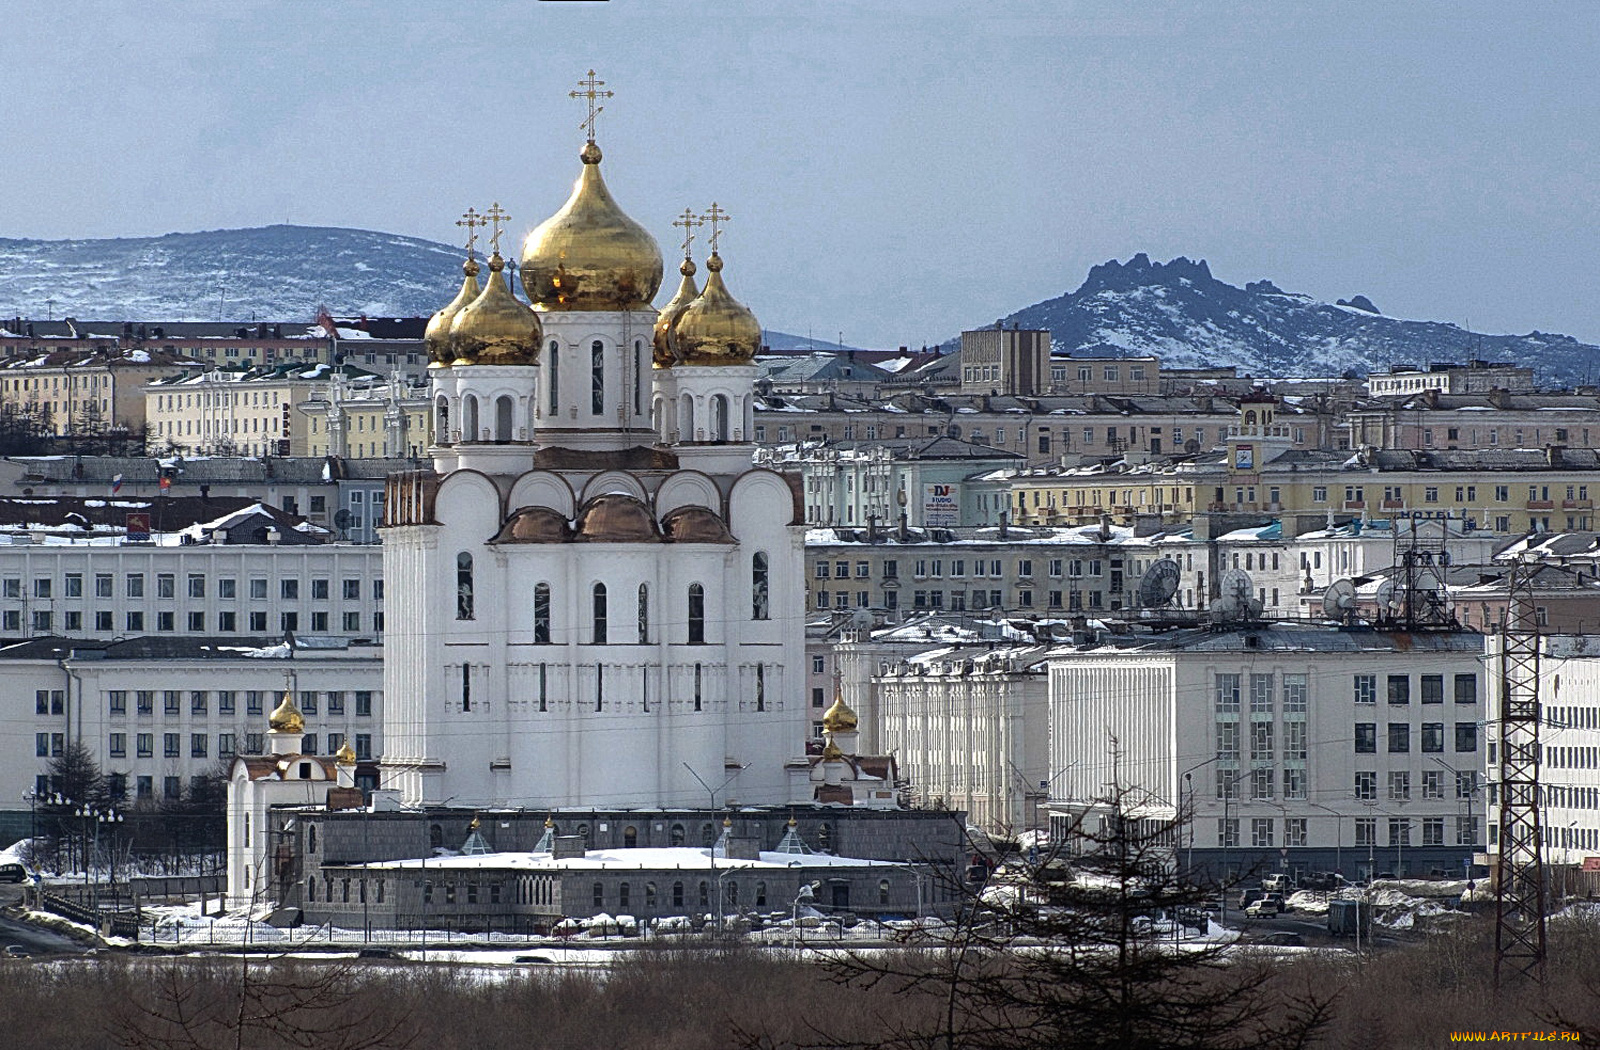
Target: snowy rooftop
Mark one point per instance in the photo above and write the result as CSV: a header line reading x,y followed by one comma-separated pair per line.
x,y
642,859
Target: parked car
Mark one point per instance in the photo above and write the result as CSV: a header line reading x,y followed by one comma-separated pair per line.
x,y
1271,904
12,872
1277,882
1249,897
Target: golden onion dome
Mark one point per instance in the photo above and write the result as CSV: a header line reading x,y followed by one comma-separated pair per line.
x,y
831,752
346,755
687,293
286,718
496,328
716,329
590,255
839,718
437,335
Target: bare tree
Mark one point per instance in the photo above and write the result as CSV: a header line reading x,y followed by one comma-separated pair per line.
x,y
1083,949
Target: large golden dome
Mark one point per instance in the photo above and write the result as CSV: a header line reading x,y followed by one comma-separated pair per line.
x,y
715,329
839,718
437,335
496,328
590,255
687,293
286,717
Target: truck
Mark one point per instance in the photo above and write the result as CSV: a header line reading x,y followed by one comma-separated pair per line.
x,y
1350,918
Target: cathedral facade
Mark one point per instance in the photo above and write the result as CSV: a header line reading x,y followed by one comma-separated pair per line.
x,y
597,601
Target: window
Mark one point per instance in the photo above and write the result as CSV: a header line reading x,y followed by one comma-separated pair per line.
x,y
1261,741
1228,831
226,699
597,367
1466,736
164,620
758,584
199,702
1295,691
102,585
1228,740
1399,738
1261,783
697,614
1261,831
258,589
319,590
363,703
1294,783
464,586
1228,693
171,745
258,622
74,585
1466,783
171,701
288,590
1261,694
599,614
227,587
1294,741
1399,689
541,614
1399,786
197,745
1433,783
117,701
644,613
1433,688
1399,831
1366,738
166,586
1227,783
136,585
146,700
1366,786
1466,688
1366,831
1433,736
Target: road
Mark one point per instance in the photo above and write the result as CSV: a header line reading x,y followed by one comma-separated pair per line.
x,y
35,940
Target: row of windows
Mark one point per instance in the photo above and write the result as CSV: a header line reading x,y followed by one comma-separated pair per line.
x,y
934,568
227,700
43,621
1399,737
1263,831
117,786
1399,784
544,700
199,744
166,586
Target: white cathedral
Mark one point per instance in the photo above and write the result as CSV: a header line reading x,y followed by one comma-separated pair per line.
x,y
595,599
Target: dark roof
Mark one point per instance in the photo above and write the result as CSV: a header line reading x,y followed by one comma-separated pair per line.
x,y
165,647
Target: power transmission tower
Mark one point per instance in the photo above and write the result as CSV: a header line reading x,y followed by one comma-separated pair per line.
x,y
1519,936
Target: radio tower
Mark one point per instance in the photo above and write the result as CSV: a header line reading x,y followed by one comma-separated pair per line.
x,y
1519,935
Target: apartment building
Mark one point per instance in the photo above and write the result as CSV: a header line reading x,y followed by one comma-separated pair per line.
x,y
368,417
930,481
1287,747
84,391
1494,419
229,412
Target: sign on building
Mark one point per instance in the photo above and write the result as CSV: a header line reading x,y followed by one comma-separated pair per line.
x,y
941,507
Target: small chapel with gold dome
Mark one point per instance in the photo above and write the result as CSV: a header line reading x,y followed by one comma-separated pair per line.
x,y
605,597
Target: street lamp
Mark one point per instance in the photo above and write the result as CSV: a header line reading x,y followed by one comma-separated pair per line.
x,y
804,893
1338,835
711,794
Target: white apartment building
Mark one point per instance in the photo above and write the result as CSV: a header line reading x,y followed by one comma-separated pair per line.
x,y
1569,738
157,712
1292,747
969,728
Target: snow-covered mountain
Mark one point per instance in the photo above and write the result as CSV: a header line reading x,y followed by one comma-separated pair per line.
x,y
1178,311
271,272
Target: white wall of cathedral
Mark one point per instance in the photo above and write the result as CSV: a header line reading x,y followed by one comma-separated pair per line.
x,y
594,378
706,403
514,697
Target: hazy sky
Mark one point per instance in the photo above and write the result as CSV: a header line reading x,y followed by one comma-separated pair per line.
x,y
896,170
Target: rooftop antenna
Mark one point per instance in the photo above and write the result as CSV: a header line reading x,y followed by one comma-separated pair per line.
x,y
1159,583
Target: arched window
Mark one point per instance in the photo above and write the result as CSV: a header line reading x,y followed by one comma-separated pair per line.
x,y
441,425
502,419
708,834
463,586
705,895
311,888
435,836
686,418
677,894
761,894
599,894
311,839
630,837
599,614
597,368
883,891
697,614
554,352
697,683
650,897
676,836
583,833
719,418
541,614
644,614
761,687
733,891
759,589
824,838
469,418
638,376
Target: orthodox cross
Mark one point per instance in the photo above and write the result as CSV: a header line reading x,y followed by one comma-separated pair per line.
x,y
688,221
494,216
716,217
472,221
591,91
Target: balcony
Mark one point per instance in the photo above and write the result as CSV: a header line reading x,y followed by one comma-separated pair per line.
x,y
1541,504
1394,504
1576,504
1355,504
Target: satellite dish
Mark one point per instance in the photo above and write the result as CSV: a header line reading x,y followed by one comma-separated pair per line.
x,y
1388,599
1236,598
1338,600
1159,583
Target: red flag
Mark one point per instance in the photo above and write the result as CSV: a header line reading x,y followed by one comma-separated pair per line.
x,y
166,483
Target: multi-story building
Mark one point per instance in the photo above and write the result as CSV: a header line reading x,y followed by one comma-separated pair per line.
x,y
1005,361
230,412
930,482
1283,747
1474,377
85,392
368,417
157,712
1489,420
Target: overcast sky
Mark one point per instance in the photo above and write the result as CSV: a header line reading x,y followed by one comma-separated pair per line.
x,y
895,170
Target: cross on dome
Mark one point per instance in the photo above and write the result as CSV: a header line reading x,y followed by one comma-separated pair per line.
x,y
591,91
688,221
496,217
716,217
472,221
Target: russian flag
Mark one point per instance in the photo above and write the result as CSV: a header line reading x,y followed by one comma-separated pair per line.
x,y
116,483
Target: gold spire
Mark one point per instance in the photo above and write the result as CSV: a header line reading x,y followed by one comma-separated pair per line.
x,y
286,718
346,755
436,337
496,328
475,823
590,255
715,329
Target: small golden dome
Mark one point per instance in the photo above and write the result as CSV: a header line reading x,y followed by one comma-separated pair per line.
x,y
496,328
590,255
346,755
831,752
474,825
687,293
839,718
286,718
715,329
437,335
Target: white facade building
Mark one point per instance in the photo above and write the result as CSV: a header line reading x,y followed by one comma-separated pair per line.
x,y
1291,747
593,617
